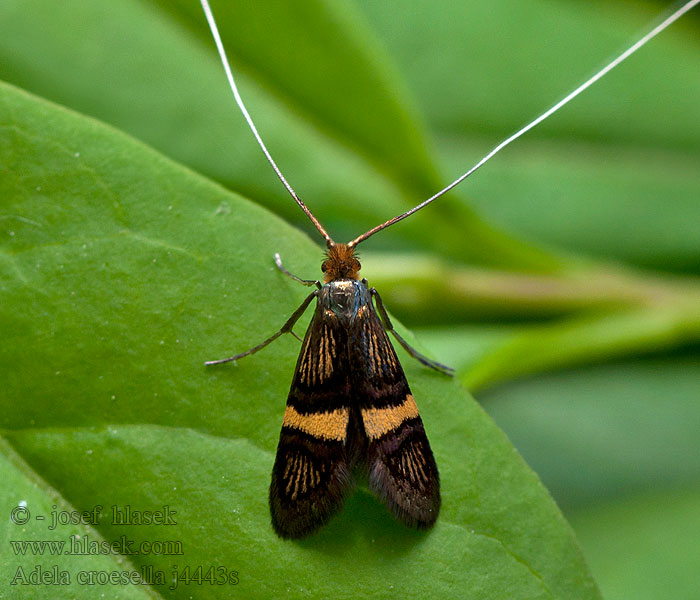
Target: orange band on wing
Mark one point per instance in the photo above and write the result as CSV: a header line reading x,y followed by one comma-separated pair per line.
x,y
379,421
331,425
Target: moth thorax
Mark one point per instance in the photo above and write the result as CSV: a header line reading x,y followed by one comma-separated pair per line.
x,y
344,298
341,263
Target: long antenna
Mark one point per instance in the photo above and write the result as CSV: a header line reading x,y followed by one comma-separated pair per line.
x,y
609,67
224,61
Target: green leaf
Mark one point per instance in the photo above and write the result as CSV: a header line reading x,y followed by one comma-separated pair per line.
x,y
121,272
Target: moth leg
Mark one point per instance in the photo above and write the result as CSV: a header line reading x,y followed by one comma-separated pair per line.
x,y
412,351
278,262
286,328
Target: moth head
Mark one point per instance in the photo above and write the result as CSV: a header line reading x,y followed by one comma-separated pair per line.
x,y
340,263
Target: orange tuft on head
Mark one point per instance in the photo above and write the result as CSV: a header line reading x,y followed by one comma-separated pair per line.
x,y
340,264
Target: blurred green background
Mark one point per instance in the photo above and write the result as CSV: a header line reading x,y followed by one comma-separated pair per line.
x,y
561,280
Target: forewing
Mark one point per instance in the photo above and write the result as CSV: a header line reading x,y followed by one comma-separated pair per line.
x,y
400,464
311,476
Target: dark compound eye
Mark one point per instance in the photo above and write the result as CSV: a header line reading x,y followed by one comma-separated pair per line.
x,y
323,266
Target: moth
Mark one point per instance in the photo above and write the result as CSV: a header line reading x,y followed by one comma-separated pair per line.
x,y
350,410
